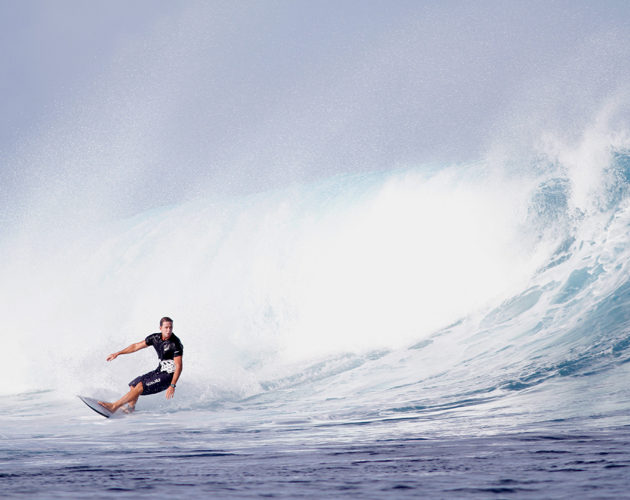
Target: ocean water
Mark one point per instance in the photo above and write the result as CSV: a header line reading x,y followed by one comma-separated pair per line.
x,y
444,332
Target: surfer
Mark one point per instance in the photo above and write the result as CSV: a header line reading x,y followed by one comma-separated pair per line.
x,y
170,351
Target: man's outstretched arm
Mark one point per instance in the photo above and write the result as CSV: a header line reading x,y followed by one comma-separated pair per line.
x,y
128,350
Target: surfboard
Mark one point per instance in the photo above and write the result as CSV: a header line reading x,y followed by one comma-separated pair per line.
x,y
93,404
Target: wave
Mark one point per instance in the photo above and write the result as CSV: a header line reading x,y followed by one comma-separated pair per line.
x,y
421,288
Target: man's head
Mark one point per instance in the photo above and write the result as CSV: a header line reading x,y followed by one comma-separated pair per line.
x,y
166,327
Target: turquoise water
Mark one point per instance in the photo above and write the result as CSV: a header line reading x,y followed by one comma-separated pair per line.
x,y
443,334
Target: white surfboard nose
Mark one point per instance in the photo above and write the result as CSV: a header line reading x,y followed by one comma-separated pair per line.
x,y
94,405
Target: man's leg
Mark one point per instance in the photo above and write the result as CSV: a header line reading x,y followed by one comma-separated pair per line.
x,y
131,405
131,397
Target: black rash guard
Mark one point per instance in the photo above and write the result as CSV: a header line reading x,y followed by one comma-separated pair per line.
x,y
165,349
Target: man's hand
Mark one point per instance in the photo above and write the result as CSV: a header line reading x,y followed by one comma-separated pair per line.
x,y
112,357
170,392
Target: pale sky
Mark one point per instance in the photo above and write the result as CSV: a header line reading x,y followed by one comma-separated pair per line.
x,y
117,107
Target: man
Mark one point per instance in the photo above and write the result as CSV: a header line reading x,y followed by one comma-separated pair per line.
x,y
170,351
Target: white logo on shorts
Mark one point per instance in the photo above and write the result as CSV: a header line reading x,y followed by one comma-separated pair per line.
x,y
168,366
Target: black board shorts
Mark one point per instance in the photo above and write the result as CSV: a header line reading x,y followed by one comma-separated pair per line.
x,y
153,382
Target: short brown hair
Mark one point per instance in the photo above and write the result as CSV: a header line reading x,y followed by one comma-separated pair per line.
x,y
165,318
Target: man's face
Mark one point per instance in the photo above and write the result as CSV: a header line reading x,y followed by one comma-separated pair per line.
x,y
167,330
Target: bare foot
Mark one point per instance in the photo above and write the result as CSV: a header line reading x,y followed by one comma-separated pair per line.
x,y
107,406
129,409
